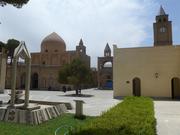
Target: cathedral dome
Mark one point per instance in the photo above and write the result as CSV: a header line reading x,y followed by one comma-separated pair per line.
x,y
53,43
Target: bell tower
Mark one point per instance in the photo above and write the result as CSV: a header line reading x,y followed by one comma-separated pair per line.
x,y
107,51
162,29
81,48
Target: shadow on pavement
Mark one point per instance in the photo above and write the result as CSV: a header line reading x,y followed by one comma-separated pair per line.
x,y
164,99
77,95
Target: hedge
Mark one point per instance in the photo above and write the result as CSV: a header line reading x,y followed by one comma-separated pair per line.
x,y
133,116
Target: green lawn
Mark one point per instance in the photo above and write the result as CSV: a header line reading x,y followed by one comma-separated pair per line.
x,y
134,116
47,128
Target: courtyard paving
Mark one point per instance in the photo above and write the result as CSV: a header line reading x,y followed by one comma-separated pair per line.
x,y
167,114
96,101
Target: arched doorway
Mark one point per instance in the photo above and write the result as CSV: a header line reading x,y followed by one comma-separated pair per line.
x,y
136,87
108,84
175,88
23,79
34,81
107,75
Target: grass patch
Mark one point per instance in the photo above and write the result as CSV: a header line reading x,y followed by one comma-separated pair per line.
x,y
47,128
134,116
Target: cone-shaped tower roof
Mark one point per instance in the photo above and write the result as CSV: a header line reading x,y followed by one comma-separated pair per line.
x,y
81,42
107,48
161,11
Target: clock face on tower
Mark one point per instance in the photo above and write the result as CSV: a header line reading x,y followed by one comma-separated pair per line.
x,y
162,29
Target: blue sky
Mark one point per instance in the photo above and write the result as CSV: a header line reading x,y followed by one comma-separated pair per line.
x,y
127,23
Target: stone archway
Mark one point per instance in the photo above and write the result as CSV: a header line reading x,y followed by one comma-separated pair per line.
x,y
105,74
136,87
21,52
175,88
35,81
107,64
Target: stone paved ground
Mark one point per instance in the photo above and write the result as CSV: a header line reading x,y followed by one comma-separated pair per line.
x,y
167,114
96,101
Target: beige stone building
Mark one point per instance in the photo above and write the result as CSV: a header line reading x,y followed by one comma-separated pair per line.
x,y
45,65
149,71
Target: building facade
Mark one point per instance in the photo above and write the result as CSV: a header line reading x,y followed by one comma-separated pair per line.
x,y
45,65
149,71
105,70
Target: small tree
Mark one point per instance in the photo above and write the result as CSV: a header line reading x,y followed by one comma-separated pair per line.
x,y
1,45
11,46
75,73
16,3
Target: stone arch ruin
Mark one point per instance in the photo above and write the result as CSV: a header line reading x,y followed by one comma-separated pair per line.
x,y
21,52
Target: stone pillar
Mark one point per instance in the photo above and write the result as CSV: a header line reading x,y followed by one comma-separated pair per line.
x,y
13,85
1,72
79,108
3,59
1,102
27,85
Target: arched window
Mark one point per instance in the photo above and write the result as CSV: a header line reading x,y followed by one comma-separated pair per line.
x,y
107,54
162,29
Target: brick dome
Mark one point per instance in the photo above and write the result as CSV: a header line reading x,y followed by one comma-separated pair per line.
x,y
53,43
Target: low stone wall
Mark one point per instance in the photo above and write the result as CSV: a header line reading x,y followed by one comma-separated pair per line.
x,y
67,104
33,117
